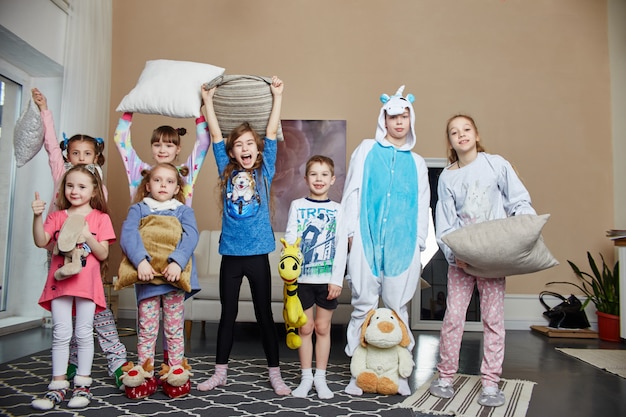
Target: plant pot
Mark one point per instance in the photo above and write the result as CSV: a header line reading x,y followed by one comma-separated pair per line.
x,y
608,327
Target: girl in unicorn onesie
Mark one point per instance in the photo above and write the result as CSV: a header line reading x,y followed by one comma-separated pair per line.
x,y
387,196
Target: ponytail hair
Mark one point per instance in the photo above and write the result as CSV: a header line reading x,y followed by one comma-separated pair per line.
x,y
167,134
98,146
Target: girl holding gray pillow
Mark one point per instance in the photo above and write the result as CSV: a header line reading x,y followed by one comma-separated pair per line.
x,y
474,188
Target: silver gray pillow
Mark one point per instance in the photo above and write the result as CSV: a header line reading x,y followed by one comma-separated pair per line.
x,y
28,135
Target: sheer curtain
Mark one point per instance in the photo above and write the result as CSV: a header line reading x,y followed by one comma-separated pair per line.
x,y
87,75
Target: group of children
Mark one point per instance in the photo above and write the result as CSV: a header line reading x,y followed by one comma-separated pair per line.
x,y
373,239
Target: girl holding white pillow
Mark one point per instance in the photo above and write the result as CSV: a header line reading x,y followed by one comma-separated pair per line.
x,y
475,187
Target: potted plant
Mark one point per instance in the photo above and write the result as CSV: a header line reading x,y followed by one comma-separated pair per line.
x,y
601,287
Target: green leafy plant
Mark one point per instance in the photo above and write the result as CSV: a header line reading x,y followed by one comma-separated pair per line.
x,y
601,286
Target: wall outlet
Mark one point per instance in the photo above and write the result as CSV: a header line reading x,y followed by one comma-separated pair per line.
x,y
46,322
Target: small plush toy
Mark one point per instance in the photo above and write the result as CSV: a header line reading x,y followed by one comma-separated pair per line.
x,y
382,357
289,270
176,379
71,245
139,381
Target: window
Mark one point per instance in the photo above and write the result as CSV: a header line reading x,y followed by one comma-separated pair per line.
x,y
10,98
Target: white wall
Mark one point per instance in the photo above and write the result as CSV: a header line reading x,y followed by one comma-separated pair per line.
x,y
42,25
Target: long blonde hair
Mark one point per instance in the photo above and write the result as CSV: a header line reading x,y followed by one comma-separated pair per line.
x,y
97,201
452,156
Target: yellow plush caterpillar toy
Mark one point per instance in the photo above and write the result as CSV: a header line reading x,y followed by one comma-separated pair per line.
x,y
289,270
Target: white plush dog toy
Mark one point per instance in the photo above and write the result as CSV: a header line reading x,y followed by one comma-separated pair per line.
x,y
382,357
243,186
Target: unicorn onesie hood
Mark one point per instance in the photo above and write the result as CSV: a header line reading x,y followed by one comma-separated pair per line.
x,y
386,200
393,106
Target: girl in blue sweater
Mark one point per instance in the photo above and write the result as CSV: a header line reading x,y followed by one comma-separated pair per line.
x,y
246,164
160,202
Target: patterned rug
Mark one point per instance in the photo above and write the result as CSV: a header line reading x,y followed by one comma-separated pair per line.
x,y
248,393
613,361
463,404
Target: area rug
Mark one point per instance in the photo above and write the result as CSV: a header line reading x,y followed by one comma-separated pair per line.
x,y
248,393
611,360
467,390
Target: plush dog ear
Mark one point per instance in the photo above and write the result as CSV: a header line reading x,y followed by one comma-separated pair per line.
x,y
406,340
366,323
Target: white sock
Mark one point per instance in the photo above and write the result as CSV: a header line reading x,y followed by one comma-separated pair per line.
x,y
323,392
306,383
403,387
352,388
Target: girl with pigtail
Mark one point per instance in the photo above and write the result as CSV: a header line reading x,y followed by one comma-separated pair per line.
x,y
159,219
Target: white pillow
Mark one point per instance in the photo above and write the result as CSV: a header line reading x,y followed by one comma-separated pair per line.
x,y
503,247
28,135
169,88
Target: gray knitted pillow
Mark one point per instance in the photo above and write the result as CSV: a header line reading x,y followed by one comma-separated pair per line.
x,y
28,135
243,98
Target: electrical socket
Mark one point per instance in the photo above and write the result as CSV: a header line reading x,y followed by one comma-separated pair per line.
x,y
46,322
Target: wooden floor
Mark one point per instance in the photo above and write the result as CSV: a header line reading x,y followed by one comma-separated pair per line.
x,y
565,385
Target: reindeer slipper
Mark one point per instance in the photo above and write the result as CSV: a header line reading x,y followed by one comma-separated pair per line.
x,y
176,379
139,381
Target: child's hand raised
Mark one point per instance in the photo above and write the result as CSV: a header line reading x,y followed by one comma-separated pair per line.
x,y
277,86
172,272
38,205
207,93
39,99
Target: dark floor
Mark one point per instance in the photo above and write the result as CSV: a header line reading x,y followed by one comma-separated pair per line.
x,y
565,385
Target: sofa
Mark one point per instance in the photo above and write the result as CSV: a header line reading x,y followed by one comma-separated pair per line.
x,y
205,305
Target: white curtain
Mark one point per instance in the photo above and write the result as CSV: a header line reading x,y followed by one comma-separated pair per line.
x,y
87,69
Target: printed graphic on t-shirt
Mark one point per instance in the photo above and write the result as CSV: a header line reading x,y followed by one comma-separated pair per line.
x,y
242,196
317,228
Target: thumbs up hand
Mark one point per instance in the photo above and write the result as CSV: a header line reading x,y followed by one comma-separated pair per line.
x,y
38,205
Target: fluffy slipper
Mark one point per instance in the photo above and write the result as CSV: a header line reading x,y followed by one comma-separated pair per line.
x,y
81,396
57,390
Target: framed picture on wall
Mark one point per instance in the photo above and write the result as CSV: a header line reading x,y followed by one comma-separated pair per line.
x,y
303,139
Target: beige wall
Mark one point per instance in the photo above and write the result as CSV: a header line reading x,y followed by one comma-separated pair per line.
x,y
535,76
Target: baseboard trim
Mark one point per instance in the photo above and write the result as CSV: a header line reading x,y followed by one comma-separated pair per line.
x,y
520,312
16,324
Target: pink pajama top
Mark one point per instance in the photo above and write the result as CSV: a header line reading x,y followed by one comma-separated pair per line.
x,y
88,282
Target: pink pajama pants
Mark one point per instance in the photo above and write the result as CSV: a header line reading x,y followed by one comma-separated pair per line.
x,y
173,321
460,289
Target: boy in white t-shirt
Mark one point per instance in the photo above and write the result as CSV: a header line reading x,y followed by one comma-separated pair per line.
x,y
314,220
